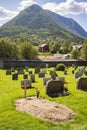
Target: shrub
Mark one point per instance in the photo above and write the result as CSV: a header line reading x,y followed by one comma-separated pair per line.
x,y
60,67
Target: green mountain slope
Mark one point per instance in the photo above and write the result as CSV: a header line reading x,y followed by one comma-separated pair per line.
x,y
35,20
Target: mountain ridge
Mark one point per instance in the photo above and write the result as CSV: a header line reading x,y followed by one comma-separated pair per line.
x,y
33,19
69,24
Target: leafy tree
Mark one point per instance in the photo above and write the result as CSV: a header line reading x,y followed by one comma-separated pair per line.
x,y
28,51
8,48
75,54
54,46
67,47
84,50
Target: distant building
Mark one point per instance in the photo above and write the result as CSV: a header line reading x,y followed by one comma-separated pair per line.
x,y
44,48
78,47
62,56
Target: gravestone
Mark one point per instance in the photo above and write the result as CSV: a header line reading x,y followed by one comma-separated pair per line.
x,y
62,79
65,72
41,75
85,72
15,76
30,72
26,68
47,65
8,72
73,71
54,88
32,78
82,84
20,71
45,80
37,70
53,74
12,70
25,76
78,74
43,71
26,83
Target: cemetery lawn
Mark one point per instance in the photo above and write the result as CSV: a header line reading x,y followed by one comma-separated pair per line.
x,y
11,119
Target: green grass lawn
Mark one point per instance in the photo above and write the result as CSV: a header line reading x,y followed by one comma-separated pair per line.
x,y
11,119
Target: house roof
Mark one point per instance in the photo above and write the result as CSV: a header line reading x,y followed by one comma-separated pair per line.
x,y
43,45
77,46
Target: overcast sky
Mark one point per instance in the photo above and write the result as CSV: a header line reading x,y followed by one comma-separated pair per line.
x,y
76,9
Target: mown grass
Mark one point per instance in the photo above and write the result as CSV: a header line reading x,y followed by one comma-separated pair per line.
x,y
11,119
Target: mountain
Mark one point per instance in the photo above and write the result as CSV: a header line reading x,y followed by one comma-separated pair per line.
x,y
69,24
36,21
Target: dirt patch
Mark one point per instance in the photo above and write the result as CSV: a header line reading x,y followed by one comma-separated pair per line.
x,y
46,57
44,109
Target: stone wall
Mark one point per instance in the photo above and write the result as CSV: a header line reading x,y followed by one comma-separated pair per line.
x,y
1,64
40,63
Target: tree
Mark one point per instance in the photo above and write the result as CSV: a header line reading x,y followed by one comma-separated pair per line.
x,y
67,47
8,49
54,46
75,54
28,51
84,50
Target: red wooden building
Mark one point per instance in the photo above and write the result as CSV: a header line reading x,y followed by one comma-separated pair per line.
x,y
44,48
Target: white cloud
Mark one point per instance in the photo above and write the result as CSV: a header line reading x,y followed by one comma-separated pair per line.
x,y
7,14
25,3
67,7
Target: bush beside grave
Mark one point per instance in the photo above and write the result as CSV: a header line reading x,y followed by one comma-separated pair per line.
x,y
60,67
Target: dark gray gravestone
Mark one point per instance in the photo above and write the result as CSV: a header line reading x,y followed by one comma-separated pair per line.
x,y
85,72
82,84
45,80
73,71
78,74
12,70
41,75
20,71
25,76
15,76
65,72
37,70
26,83
8,72
32,78
43,71
53,74
54,87
30,72
26,68
62,79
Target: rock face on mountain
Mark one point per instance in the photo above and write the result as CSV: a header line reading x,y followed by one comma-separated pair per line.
x,y
34,19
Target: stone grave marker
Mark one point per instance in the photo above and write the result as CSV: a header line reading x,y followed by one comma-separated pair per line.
x,y
25,76
41,75
37,70
32,78
45,80
15,76
54,88
8,72
82,83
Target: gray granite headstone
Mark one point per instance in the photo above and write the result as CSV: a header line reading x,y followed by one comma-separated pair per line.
x,y
82,83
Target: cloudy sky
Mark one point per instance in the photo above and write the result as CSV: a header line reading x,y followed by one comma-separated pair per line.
x,y
76,9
